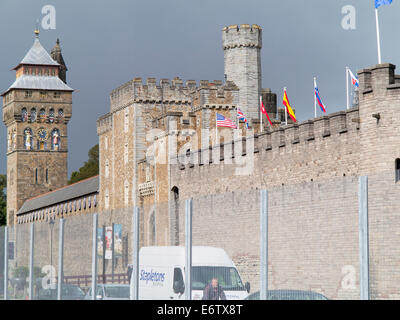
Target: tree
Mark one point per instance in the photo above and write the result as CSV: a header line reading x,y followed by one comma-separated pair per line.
x,y
90,167
3,200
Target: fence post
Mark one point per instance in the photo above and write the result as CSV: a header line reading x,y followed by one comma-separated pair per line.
x,y
188,248
94,256
363,237
60,259
6,263
31,254
134,280
263,244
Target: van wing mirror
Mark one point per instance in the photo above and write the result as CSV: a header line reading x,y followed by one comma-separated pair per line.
x,y
247,286
179,287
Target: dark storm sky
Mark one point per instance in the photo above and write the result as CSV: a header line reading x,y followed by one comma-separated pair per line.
x,y
106,43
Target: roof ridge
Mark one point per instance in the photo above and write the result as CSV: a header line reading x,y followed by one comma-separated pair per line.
x,y
61,188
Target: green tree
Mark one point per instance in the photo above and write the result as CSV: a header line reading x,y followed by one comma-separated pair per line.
x,y
3,200
90,167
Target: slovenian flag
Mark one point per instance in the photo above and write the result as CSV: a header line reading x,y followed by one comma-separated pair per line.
x,y
318,96
354,79
379,3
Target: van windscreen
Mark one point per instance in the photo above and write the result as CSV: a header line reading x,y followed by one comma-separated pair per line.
x,y
228,278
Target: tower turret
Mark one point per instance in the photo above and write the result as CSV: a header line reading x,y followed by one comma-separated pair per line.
x,y
36,111
242,45
57,56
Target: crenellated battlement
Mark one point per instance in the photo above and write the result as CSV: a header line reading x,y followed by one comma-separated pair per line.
x,y
332,126
104,124
173,92
243,35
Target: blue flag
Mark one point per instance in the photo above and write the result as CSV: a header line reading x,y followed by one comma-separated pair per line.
x,y
379,3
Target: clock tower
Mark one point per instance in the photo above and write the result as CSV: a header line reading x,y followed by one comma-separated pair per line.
x,y
36,111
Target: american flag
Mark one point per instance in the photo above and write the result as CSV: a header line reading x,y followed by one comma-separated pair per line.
x,y
225,122
241,116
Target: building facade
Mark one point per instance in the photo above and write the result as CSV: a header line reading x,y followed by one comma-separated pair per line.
x,y
36,111
159,145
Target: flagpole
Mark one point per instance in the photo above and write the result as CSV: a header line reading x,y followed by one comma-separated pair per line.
x,y
285,109
261,124
347,88
315,98
216,130
237,119
378,36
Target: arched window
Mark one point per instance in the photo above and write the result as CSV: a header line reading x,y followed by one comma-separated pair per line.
x,y
51,115
33,115
106,199
107,169
24,115
28,139
42,115
126,193
55,140
397,170
60,113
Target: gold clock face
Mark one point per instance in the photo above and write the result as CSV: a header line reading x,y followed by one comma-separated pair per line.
x,y
42,134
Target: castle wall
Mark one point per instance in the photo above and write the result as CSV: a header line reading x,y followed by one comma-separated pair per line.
x,y
311,171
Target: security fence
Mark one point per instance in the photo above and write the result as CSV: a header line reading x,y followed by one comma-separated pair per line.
x,y
312,240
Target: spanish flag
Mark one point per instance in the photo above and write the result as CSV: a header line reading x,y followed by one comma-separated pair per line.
x,y
288,107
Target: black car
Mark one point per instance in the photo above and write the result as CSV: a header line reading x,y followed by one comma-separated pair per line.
x,y
288,295
68,292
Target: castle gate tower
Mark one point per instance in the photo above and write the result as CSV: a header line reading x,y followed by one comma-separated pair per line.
x,y
36,111
242,64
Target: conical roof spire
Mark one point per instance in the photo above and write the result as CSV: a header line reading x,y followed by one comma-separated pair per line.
x,y
57,56
37,55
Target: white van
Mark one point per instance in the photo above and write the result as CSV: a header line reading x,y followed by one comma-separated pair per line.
x,y
162,273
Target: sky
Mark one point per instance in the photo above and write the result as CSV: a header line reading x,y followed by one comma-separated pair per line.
x,y
107,43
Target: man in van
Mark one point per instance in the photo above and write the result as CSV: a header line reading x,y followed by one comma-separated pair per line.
x,y
213,291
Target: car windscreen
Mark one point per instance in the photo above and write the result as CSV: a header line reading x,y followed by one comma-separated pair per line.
x,y
228,278
73,291
116,292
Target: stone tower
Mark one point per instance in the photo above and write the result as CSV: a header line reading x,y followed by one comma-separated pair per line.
x,y
36,111
242,64
57,56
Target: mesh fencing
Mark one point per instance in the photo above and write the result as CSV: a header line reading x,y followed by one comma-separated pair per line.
x,y
45,259
2,258
311,240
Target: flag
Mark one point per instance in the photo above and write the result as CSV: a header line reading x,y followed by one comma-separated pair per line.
x,y
288,107
225,122
242,117
379,3
354,79
263,110
318,96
